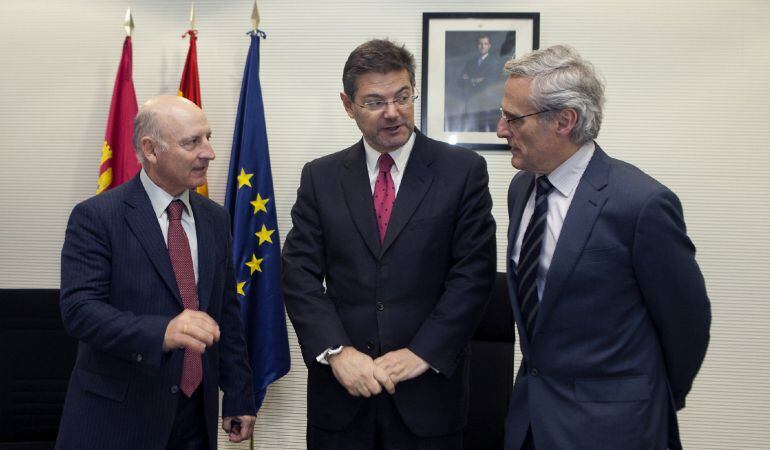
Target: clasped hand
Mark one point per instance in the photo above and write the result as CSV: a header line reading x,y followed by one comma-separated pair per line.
x,y
363,376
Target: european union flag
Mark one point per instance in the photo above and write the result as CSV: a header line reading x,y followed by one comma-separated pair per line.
x,y
256,252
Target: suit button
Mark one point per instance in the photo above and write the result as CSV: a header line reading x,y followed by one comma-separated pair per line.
x,y
138,357
380,306
534,372
174,389
370,345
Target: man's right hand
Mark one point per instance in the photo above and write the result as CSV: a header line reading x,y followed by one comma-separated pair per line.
x,y
358,374
191,329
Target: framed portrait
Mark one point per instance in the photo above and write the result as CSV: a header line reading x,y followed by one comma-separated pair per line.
x,y
462,73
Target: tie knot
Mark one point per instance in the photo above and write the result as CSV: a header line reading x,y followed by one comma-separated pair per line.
x,y
543,186
385,162
175,210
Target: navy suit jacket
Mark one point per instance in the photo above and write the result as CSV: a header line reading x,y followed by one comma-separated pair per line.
x,y
623,323
425,288
118,294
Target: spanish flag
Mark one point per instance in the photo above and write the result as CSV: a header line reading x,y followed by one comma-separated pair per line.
x,y
119,163
190,87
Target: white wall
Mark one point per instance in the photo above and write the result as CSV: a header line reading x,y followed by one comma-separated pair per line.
x,y
688,102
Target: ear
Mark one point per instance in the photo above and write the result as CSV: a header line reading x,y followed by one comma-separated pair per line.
x,y
347,102
566,121
149,149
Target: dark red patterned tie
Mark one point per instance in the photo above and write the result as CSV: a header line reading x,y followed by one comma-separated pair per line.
x,y
181,261
384,194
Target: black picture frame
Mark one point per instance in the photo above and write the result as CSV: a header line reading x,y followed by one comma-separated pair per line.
x,y
460,90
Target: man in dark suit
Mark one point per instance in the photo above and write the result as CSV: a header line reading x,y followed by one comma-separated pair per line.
x,y
147,288
388,269
610,304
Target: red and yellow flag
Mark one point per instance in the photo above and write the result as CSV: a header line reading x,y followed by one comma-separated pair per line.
x,y
119,163
190,87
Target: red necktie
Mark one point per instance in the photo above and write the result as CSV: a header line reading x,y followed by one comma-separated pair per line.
x,y
181,261
384,194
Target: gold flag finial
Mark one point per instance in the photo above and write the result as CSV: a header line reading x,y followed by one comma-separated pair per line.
x,y
192,15
128,24
255,17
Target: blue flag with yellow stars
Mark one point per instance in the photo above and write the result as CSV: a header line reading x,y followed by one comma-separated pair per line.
x,y
256,252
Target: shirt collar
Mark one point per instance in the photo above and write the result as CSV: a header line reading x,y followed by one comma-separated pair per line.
x,y
566,177
400,155
159,198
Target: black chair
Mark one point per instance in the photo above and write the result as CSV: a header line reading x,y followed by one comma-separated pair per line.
x,y
37,356
491,380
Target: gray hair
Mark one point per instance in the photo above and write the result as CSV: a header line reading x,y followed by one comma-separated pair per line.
x,y
562,79
147,124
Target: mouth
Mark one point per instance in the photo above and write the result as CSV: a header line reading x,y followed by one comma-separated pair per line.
x,y
392,129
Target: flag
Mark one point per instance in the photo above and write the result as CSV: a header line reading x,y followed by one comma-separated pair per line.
x,y
190,87
256,252
119,162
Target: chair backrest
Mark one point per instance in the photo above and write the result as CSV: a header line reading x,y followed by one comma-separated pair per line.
x,y
37,356
491,372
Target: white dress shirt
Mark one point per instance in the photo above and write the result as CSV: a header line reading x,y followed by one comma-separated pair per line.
x,y
400,157
564,179
160,200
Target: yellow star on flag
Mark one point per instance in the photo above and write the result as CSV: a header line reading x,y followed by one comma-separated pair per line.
x,y
259,204
244,179
264,235
254,264
239,288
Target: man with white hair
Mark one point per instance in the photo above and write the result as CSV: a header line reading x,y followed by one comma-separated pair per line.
x,y
611,306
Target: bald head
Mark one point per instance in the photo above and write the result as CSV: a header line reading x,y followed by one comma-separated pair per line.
x,y
152,119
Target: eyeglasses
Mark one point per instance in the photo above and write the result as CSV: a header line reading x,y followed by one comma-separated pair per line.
x,y
400,102
511,120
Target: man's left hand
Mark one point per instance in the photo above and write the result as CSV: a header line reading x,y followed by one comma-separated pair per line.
x,y
401,365
238,428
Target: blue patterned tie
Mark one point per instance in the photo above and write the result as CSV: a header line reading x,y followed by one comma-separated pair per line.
x,y
529,258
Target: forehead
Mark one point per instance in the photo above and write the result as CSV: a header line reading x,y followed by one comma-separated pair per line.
x,y
516,95
184,121
382,84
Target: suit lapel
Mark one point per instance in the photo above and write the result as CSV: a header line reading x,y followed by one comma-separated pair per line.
x,y
358,196
590,197
519,192
414,185
204,230
143,223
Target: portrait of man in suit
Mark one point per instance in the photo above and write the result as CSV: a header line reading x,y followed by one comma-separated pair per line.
x,y
610,304
387,270
147,289
479,84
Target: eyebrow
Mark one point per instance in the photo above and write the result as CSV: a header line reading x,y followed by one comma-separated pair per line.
x,y
400,91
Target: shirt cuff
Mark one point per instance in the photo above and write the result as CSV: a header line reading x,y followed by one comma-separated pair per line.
x,y
323,358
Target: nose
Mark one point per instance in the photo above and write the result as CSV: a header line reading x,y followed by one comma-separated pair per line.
x,y
391,110
502,128
207,151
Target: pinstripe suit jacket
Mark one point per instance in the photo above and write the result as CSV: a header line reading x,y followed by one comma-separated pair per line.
x,y
118,294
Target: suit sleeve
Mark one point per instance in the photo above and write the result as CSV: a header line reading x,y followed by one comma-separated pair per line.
x,y
673,288
311,312
85,305
235,377
443,337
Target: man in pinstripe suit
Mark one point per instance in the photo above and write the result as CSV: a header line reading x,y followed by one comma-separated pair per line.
x,y
159,328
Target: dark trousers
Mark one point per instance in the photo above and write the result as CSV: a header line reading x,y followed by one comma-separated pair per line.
x,y
189,432
378,426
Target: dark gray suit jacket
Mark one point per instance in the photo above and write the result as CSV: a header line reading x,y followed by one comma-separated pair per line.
x,y
424,288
